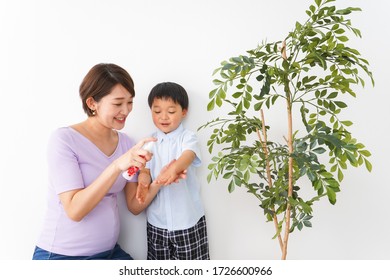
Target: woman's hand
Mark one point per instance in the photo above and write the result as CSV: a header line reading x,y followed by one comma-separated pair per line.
x,y
136,156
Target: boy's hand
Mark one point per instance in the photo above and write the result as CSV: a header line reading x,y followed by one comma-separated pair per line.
x,y
169,175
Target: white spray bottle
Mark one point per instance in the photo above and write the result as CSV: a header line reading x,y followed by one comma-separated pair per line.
x,y
129,173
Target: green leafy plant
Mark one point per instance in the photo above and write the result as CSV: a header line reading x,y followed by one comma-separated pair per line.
x,y
311,71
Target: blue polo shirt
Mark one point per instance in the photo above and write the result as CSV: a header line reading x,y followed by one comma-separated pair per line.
x,y
177,206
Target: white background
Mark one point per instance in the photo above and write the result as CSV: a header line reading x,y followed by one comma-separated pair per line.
x,y
47,47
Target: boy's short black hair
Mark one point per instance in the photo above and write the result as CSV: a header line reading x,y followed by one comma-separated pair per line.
x,y
169,90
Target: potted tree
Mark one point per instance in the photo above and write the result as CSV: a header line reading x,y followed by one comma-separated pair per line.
x,y
311,72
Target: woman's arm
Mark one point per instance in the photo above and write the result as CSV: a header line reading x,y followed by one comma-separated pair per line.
x,y
78,203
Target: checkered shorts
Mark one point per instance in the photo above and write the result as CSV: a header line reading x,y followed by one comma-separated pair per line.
x,y
188,244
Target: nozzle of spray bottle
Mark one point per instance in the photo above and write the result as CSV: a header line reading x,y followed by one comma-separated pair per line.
x,y
129,173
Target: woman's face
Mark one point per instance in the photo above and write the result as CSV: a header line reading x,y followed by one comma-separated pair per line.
x,y
113,109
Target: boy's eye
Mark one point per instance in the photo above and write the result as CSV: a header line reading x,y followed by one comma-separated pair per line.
x,y
172,112
157,112
118,104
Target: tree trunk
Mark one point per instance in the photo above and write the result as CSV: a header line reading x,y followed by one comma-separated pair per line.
x,y
290,160
290,183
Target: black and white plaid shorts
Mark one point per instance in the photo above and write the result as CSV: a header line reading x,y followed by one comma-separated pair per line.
x,y
188,244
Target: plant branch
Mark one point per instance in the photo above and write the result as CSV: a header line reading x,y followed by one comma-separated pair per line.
x,y
268,168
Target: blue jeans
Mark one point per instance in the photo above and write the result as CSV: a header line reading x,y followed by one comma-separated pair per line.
x,y
117,253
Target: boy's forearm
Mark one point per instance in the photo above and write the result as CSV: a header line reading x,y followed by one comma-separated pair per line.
x,y
144,176
184,161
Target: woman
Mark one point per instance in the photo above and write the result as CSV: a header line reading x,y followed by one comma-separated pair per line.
x,y
85,162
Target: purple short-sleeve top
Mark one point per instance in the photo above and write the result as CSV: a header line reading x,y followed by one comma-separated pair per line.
x,y
74,162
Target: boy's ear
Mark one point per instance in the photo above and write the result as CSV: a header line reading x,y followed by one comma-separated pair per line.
x,y
184,112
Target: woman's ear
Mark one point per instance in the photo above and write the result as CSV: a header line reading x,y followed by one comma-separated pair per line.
x,y
91,103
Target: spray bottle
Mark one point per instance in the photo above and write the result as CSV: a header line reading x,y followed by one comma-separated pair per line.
x,y
129,173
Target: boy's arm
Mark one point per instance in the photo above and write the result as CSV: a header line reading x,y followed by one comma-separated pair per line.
x,y
133,203
144,181
176,168
144,178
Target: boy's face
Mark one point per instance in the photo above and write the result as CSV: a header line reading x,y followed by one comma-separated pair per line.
x,y
167,115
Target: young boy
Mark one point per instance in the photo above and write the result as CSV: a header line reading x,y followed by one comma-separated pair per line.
x,y
176,225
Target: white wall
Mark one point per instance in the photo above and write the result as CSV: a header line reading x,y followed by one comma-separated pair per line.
x,y
48,46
